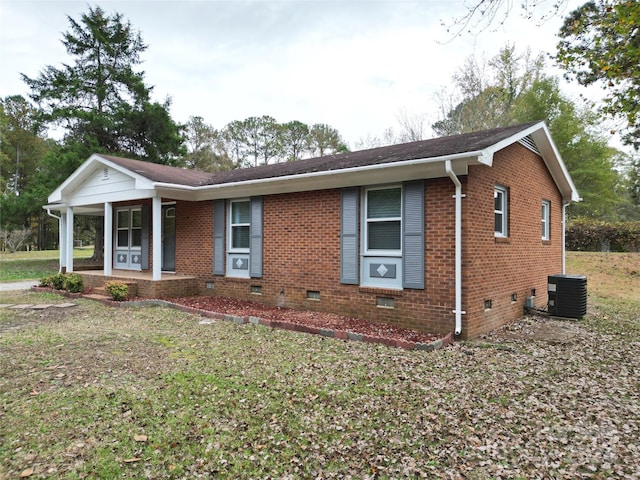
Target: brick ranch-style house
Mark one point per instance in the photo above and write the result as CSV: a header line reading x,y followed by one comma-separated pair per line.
x,y
440,235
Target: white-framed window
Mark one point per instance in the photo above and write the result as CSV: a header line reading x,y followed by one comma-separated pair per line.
x,y
239,238
240,225
129,228
382,239
383,210
122,227
546,208
136,228
501,212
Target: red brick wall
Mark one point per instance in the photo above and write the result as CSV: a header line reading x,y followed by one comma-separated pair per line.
x,y
301,251
494,268
194,239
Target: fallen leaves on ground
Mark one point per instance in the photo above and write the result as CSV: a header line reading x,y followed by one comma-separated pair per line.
x,y
232,306
230,401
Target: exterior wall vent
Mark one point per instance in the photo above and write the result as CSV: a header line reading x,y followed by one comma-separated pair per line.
x,y
529,143
567,295
385,302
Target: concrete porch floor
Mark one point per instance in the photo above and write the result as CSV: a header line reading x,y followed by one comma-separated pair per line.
x,y
170,284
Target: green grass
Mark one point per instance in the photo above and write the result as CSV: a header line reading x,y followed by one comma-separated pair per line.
x,y
34,265
99,392
226,401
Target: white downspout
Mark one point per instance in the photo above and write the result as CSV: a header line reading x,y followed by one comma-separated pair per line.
x,y
564,231
458,243
61,261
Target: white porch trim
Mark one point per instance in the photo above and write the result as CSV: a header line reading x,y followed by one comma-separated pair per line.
x,y
62,236
69,240
108,238
156,220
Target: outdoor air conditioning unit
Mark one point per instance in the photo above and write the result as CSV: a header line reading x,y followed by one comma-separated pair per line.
x,y
567,296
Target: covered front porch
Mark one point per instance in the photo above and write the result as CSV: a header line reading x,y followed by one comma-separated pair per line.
x,y
143,283
136,204
141,249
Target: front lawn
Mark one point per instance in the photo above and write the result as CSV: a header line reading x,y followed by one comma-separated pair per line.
x,y
36,264
97,392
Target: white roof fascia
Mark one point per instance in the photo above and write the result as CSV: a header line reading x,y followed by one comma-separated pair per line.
x,y
59,207
542,138
379,173
490,151
558,169
97,210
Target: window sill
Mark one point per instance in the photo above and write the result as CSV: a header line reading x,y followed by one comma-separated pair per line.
x,y
546,242
238,279
502,240
382,291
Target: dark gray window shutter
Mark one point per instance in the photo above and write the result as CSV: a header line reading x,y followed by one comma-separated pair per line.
x,y
255,246
413,235
349,262
218,237
144,241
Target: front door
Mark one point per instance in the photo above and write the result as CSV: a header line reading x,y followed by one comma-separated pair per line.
x,y
128,244
169,238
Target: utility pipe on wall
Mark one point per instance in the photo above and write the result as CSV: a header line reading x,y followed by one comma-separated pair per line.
x,y
458,245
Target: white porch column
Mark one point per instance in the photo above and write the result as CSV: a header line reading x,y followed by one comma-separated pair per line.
x,y
156,220
62,236
108,238
69,243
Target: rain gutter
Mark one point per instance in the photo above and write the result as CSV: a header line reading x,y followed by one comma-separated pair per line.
x,y
479,155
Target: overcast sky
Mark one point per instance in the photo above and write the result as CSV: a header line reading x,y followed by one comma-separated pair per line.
x,y
351,64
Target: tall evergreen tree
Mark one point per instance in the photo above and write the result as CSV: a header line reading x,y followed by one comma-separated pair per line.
x,y
100,98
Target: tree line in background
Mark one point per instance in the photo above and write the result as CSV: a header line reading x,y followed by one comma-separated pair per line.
x,y
256,141
100,103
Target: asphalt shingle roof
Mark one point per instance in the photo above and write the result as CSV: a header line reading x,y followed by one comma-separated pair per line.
x,y
432,148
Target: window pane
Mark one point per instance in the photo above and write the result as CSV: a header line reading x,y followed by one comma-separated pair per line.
x,y
498,223
384,235
240,212
240,237
498,197
136,218
384,203
123,218
136,237
123,238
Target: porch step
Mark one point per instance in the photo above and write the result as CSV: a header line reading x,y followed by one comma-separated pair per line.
x,y
102,293
98,296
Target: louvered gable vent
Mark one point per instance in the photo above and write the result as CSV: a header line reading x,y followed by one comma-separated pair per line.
x,y
530,144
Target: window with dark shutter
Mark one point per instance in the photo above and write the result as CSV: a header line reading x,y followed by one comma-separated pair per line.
x,y
349,261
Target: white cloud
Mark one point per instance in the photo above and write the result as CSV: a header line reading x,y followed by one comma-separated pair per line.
x,y
352,64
